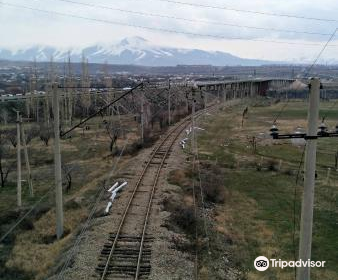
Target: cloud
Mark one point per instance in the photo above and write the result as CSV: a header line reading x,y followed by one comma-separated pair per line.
x,y
21,28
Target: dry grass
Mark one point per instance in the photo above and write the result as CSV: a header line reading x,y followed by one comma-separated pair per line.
x,y
35,251
255,215
237,209
179,177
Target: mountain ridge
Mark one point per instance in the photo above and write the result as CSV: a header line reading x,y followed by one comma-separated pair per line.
x,y
132,51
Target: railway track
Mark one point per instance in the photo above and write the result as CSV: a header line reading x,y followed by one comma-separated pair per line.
x,y
127,253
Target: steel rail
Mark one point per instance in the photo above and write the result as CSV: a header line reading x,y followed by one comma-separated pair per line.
x,y
132,197
180,127
151,200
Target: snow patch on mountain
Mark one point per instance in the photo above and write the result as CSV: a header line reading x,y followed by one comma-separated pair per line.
x,y
133,50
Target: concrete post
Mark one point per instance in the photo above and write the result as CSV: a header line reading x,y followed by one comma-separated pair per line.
x,y
169,105
142,114
303,273
57,164
30,181
193,123
18,150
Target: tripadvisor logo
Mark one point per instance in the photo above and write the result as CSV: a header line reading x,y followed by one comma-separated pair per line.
x,y
262,263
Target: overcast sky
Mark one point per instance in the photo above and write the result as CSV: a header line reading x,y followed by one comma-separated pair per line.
x,y
20,28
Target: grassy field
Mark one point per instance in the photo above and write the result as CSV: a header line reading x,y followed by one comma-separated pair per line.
x,y
260,214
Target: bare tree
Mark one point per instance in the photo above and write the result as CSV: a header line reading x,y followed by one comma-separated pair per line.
x,y
5,166
67,171
45,134
113,131
4,115
31,133
12,137
244,115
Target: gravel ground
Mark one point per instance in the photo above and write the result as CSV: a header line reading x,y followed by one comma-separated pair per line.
x,y
85,259
166,262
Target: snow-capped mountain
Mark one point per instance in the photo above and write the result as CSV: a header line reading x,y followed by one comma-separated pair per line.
x,y
134,50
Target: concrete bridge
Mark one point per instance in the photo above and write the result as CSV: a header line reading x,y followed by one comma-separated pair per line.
x,y
245,88
229,89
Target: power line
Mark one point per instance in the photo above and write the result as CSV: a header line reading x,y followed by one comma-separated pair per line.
x,y
158,28
25,215
248,11
308,71
295,208
321,52
202,200
190,20
90,216
101,109
331,107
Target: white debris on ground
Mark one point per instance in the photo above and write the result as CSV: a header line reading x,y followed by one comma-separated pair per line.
x,y
183,142
108,207
188,131
114,189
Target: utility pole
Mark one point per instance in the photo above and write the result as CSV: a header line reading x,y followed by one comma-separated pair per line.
x,y
305,242
57,164
225,90
303,273
142,114
193,122
169,105
30,182
18,148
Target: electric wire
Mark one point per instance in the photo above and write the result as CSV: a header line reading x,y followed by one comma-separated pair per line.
x,y
90,217
3,237
309,69
196,218
295,209
246,11
192,152
189,20
321,51
102,109
159,29
203,203
330,108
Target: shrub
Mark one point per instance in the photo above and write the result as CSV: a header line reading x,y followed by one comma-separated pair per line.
x,y
184,217
215,193
272,165
182,244
179,177
214,189
130,149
